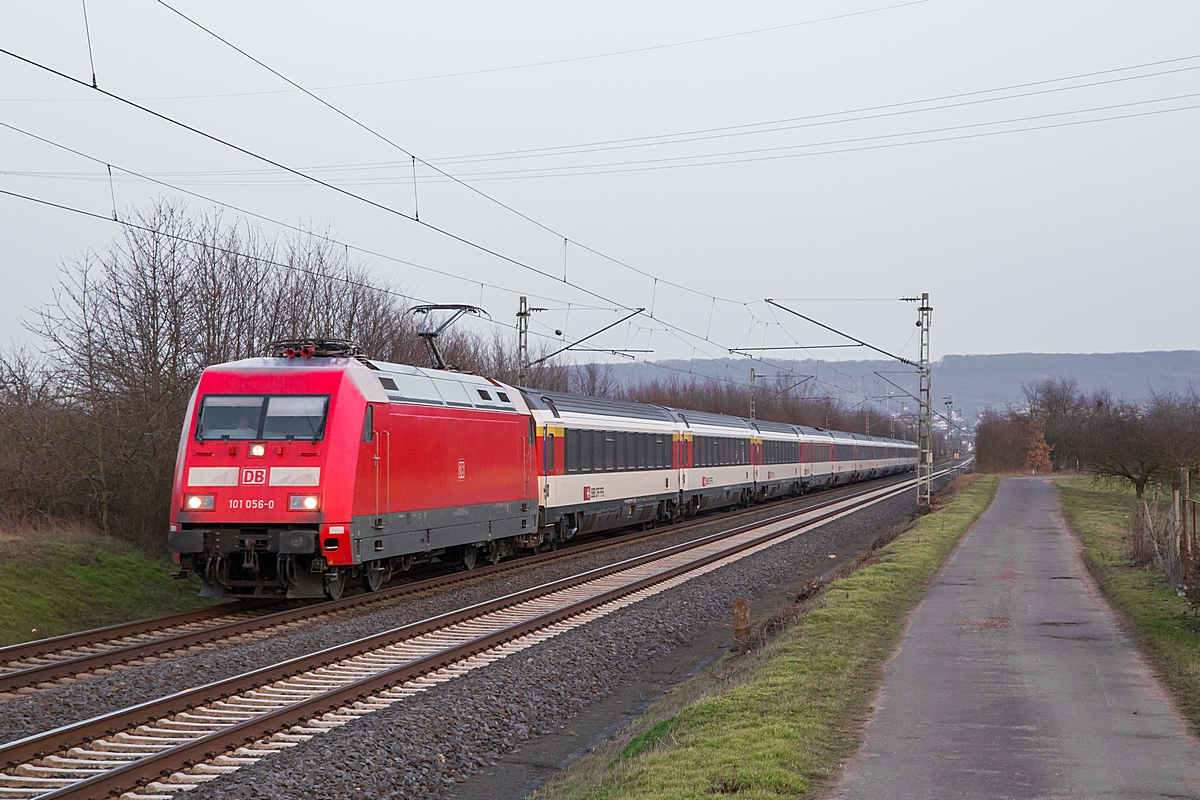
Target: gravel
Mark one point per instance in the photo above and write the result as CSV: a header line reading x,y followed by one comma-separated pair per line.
x,y
428,743
28,714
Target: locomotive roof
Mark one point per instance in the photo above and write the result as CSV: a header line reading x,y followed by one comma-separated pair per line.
x,y
409,384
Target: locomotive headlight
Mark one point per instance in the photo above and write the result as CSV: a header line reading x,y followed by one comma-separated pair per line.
x,y
199,502
258,450
304,502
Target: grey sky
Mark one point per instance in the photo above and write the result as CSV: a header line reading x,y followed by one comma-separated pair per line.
x,y
1079,238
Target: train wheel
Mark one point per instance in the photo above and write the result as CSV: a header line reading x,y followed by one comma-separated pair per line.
x,y
372,577
335,586
469,557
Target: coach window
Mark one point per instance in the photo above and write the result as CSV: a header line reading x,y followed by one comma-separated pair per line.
x,y
369,424
571,450
631,450
610,461
619,450
548,451
585,450
597,451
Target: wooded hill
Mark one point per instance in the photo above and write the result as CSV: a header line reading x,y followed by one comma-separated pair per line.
x,y
975,382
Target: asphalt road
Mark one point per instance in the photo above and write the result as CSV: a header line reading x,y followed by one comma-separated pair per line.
x,y
1014,680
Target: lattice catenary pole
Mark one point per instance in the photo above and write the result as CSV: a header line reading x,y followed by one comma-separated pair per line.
x,y
924,427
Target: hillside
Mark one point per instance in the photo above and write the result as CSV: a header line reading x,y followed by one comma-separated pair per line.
x,y
975,382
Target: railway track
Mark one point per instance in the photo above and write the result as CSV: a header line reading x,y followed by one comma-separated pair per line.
x,y
160,748
43,662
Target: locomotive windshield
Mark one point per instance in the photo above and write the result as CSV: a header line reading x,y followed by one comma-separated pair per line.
x,y
225,416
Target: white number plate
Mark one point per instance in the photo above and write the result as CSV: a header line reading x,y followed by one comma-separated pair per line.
x,y
238,504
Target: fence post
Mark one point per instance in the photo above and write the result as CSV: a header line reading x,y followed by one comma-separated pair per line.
x,y
1185,530
741,624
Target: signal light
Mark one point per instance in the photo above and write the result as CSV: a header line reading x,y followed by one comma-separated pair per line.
x,y
304,502
258,450
199,502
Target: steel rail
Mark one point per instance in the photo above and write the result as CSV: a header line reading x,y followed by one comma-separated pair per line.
x,y
92,636
66,737
138,773
156,646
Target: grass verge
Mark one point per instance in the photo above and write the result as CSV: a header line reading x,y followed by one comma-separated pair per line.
x,y
61,582
1164,624
785,724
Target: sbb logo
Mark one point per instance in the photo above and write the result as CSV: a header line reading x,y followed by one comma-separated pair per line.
x,y
254,477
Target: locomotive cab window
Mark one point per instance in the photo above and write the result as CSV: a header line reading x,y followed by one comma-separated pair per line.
x,y
484,395
274,417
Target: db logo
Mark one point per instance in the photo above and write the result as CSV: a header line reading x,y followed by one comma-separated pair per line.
x,y
462,470
705,481
587,493
254,477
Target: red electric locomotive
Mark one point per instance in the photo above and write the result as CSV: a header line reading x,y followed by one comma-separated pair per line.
x,y
298,472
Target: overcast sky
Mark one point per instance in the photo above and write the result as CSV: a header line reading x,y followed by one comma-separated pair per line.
x,y
1080,235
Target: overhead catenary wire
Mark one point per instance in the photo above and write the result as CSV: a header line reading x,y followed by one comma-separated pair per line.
x,y
219,140
558,61
842,333
415,158
824,118
755,154
295,228
129,224
299,173
687,162
87,29
656,138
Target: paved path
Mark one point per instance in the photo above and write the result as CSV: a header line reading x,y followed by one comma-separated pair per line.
x,y
1014,681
